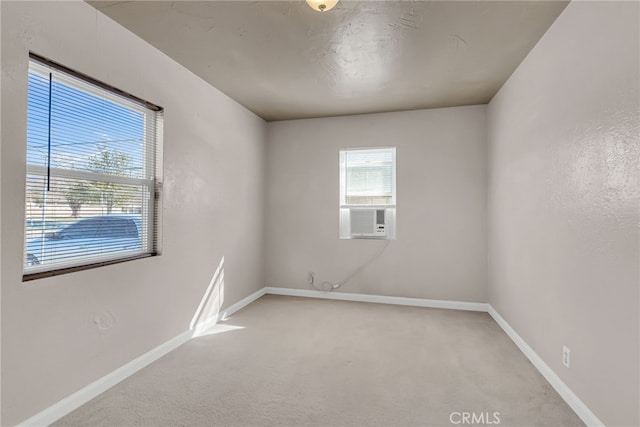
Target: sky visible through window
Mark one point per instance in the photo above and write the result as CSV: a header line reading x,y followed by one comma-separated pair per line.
x,y
82,125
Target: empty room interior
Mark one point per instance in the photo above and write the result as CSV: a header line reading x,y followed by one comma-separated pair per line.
x,y
320,213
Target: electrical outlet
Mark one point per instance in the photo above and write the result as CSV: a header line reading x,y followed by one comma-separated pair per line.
x,y
310,278
566,356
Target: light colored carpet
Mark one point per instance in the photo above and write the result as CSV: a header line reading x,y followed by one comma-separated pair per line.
x,y
285,361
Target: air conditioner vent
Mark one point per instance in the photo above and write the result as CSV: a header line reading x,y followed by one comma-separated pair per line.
x,y
367,222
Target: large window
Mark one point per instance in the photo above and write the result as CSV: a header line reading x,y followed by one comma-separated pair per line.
x,y
93,173
368,193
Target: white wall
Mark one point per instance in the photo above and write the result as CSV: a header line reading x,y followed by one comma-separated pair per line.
x,y
564,199
440,251
213,207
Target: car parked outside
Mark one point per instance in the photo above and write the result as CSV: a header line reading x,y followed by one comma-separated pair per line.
x,y
86,238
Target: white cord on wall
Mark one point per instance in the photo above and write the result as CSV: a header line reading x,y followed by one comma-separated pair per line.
x,y
327,286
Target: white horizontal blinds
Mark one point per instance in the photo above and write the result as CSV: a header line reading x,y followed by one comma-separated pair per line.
x,y
369,177
91,173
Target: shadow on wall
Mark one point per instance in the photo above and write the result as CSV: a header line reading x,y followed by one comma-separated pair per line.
x,y
208,312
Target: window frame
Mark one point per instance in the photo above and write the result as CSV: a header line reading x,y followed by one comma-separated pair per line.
x,y
344,207
150,181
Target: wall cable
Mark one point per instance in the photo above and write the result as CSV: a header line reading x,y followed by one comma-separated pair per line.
x,y
327,286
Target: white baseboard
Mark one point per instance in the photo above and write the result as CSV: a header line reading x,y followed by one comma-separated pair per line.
x,y
379,299
574,402
82,396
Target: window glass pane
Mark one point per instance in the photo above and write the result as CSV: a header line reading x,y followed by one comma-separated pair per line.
x,y
369,177
88,132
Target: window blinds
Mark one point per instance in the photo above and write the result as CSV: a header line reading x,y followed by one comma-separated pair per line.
x,y
368,176
92,171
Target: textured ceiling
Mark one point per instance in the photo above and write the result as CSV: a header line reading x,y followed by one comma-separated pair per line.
x,y
282,60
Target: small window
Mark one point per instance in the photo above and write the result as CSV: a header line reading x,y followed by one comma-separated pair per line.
x,y
93,173
368,193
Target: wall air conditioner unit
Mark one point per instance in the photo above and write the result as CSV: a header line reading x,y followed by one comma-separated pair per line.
x,y
367,222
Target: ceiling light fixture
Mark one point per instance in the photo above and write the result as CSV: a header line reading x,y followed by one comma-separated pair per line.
x,y
322,5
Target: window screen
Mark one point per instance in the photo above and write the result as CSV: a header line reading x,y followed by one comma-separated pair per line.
x,y
93,172
367,180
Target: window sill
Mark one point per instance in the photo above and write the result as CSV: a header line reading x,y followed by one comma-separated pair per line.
x,y
66,270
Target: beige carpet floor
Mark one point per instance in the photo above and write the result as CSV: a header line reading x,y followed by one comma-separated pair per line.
x,y
285,361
